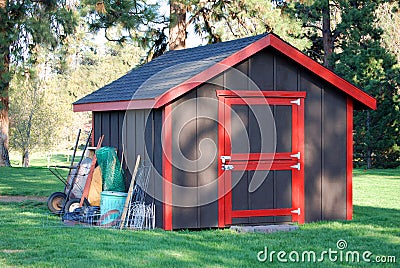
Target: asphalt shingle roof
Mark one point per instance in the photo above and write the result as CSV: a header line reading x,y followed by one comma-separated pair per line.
x,y
165,72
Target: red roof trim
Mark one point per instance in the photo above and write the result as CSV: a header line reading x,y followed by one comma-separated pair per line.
x,y
269,40
322,72
211,72
280,45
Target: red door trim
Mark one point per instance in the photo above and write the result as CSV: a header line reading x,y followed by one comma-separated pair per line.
x,y
262,212
221,150
349,161
227,179
280,161
300,183
167,168
258,93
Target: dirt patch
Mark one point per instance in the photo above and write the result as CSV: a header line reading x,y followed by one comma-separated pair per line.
x,y
18,199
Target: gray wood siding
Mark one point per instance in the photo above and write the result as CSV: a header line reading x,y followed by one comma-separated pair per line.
x,y
195,129
138,132
325,141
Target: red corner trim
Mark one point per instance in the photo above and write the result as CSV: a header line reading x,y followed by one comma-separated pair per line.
x,y
349,161
167,168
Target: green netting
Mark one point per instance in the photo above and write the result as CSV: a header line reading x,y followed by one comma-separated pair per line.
x,y
112,174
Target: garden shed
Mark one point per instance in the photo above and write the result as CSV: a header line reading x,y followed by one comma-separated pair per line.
x,y
250,131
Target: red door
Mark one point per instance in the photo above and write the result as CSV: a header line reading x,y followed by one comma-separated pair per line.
x,y
261,152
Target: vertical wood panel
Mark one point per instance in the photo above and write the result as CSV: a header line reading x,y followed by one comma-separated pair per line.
x,y
157,162
313,147
263,197
130,138
334,156
262,70
121,116
207,136
286,74
139,133
114,129
236,78
283,192
105,128
184,131
97,126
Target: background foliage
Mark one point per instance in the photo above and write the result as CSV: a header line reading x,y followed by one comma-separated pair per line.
x,y
359,40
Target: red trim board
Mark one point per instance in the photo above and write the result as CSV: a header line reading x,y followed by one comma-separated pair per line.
x,y
221,151
260,161
167,168
270,40
349,160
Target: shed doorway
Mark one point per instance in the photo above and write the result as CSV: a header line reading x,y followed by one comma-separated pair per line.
x,y
261,152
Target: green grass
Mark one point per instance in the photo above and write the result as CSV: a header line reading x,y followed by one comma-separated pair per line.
x,y
30,238
42,160
36,181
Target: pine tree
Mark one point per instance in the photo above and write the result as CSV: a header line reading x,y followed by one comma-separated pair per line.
x,y
346,38
23,25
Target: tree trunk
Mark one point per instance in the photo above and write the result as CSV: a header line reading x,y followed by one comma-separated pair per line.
x,y
4,69
177,26
25,158
327,37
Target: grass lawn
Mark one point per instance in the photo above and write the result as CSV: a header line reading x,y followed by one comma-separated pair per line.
x,y
32,238
37,181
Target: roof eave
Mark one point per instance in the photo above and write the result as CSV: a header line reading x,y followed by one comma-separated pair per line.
x,y
114,105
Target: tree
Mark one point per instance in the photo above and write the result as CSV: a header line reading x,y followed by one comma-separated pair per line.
x,y
33,116
388,15
347,38
23,25
178,25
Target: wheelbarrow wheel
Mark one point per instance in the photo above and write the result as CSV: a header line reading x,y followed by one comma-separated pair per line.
x,y
72,204
56,201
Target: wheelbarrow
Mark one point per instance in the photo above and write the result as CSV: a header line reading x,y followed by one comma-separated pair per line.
x,y
68,200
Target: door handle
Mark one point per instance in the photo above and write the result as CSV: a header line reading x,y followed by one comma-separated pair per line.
x,y
227,167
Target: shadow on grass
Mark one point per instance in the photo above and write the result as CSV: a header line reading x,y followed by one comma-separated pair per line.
x,y
373,229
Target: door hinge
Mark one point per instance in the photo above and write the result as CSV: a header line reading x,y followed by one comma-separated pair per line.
x,y
296,211
297,102
297,166
227,167
296,155
225,158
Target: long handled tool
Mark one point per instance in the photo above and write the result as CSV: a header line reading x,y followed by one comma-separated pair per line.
x,y
130,192
77,169
85,193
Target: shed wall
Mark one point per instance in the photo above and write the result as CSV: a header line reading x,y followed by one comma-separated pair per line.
x,y
138,132
325,137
